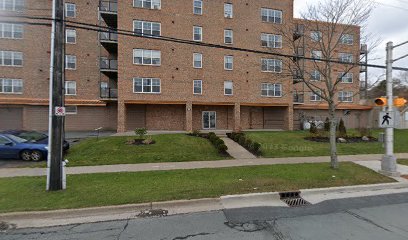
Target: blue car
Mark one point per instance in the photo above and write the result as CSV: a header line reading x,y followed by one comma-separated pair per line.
x,y
34,137
13,147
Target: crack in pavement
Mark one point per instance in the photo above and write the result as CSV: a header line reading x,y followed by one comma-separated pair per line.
x,y
124,229
367,220
276,232
192,235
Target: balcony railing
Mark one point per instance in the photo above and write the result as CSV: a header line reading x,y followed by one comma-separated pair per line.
x,y
108,36
109,93
109,64
298,98
108,6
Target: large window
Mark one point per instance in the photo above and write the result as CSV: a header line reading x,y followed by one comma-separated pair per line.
x,y
271,90
146,85
271,15
147,28
271,65
197,33
70,88
346,77
70,10
198,7
346,57
316,36
345,96
228,10
70,62
271,40
198,87
198,60
12,31
146,57
228,36
150,4
10,58
315,75
317,55
11,86
228,88
228,62
315,97
70,36
11,5
347,39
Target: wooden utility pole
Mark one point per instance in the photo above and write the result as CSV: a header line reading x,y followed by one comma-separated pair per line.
x,y
57,110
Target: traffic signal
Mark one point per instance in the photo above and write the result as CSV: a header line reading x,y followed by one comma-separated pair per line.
x,y
398,102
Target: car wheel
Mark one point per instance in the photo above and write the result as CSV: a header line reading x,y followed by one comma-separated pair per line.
x,y
36,156
26,155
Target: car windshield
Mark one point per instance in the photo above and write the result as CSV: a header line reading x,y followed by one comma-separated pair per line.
x,y
32,136
16,139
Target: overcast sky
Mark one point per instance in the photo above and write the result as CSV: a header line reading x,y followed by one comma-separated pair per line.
x,y
390,21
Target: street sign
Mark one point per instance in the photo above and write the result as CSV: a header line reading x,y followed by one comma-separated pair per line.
x,y
60,111
386,119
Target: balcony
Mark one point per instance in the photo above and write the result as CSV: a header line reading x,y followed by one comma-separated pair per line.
x,y
109,12
109,93
298,98
363,49
299,54
109,41
109,67
299,31
363,69
297,76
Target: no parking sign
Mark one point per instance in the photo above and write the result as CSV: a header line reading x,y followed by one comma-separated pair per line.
x,y
60,111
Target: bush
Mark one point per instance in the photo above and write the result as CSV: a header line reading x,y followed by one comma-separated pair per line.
x,y
248,143
222,148
256,147
342,129
141,132
242,140
327,125
218,142
196,133
313,128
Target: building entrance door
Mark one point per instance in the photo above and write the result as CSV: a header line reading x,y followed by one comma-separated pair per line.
x,y
209,120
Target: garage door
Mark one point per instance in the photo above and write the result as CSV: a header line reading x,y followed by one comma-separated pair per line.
x,y
274,118
136,117
11,118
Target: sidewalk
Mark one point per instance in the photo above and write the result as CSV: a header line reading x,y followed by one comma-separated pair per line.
x,y
18,172
236,150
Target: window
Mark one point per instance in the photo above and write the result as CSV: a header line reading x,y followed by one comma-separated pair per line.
x,y
198,33
271,40
149,4
70,10
70,88
11,86
11,31
228,62
70,62
198,60
271,15
271,90
146,85
316,36
71,110
198,7
316,55
70,36
347,39
406,116
315,75
345,96
346,77
228,88
147,28
198,87
10,58
346,57
271,65
146,57
228,10
315,97
228,36
11,5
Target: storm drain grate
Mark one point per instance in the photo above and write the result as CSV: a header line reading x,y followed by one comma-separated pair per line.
x,y
153,213
293,199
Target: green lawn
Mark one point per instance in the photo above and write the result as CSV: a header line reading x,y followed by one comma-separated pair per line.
x,y
168,148
28,194
292,144
403,161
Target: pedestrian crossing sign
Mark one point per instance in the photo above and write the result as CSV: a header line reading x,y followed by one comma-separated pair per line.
x,y
386,119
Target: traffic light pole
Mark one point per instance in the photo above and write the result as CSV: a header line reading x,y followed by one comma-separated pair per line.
x,y
56,119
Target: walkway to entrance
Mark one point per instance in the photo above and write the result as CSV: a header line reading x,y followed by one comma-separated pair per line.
x,y
236,150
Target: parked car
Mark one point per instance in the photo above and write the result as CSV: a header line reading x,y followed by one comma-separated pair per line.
x,y
34,137
13,147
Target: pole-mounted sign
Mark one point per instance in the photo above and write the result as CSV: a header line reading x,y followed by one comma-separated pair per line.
x,y
386,119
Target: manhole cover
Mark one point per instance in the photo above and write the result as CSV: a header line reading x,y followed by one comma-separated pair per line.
x,y
293,199
153,213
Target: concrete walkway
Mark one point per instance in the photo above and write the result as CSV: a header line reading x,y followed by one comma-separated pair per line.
x,y
376,166
236,150
17,172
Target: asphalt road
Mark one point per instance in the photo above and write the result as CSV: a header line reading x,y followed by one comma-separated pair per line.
x,y
382,217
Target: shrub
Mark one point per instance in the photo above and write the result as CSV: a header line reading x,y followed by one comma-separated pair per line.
x,y
313,128
248,143
141,132
256,147
342,129
327,125
218,142
196,133
242,140
222,148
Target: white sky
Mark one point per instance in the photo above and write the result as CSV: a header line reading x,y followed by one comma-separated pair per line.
x,y
390,21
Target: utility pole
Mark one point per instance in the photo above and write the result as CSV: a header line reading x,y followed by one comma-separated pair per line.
x,y
389,161
56,103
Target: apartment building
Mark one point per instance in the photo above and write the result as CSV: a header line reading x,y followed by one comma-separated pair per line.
x,y
122,82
